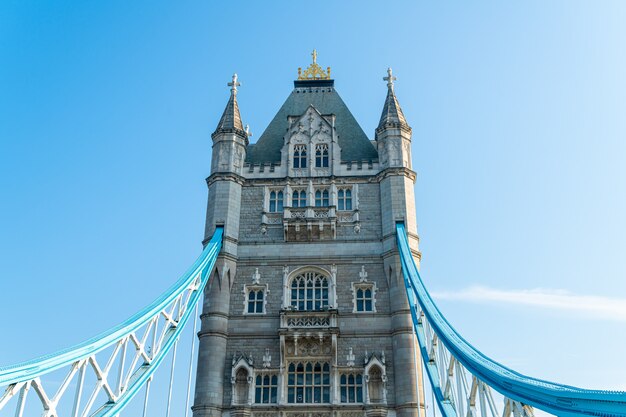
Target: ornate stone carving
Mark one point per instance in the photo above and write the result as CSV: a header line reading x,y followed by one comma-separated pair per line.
x,y
307,321
352,414
350,358
267,359
362,274
256,277
308,347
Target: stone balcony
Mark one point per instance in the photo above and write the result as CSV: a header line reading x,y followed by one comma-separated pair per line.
x,y
310,223
304,320
311,334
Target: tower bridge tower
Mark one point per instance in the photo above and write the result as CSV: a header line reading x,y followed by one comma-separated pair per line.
x,y
306,314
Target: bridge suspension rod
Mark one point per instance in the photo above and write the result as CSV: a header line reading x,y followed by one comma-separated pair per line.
x,y
449,361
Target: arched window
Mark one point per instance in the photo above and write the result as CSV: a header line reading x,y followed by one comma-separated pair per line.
x,y
309,291
298,199
321,155
276,201
344,199
351,388
241,386
321,198
266,389
308,383
299,156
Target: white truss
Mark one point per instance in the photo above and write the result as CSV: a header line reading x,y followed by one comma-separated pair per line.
x,y
464,392
108,371
114,372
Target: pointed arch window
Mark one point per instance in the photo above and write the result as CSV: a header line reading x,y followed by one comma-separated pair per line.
x,y
309,291
298,198
344,199
321,198
308,383
276,201
299,156
321,155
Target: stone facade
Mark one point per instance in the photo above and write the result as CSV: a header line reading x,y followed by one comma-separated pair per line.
x,y
306,313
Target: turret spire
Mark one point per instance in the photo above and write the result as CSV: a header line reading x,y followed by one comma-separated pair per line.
x,y
231,119
392,113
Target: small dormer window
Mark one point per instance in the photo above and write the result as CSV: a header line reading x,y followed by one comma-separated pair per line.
x,y
298,199
321,198
276,201
299,156
344,199
321,156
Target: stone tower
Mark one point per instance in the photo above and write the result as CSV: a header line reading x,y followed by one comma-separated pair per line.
x,y
306,315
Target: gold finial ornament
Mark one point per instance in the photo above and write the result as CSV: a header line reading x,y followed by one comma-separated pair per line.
x,y
314,72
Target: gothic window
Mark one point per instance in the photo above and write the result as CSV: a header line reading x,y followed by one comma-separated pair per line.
x,y
241,386
276,201
309,291
266,390
299,156
308,383
364,299
321,198
375,385
256,301
364,294
321,155
298,199
351,388
344,199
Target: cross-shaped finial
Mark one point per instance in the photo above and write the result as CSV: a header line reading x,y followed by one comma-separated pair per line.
x,y
234,84
314,55
389,78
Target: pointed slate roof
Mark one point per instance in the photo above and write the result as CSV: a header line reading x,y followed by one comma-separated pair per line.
x,y
321,94
231,119
392,113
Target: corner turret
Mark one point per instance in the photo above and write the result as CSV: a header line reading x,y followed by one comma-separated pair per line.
x,y
229,139
393,134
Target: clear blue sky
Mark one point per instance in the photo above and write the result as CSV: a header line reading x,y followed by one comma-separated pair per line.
x,y
518,112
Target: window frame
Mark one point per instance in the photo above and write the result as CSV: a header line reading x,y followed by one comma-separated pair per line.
x,y
299,157
305,381
302,198
322,197
322,156
356,388
309,294
363,286
276,201
266,392
343,199
255,288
